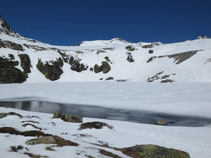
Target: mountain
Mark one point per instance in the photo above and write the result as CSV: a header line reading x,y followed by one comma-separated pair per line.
x,y
28,60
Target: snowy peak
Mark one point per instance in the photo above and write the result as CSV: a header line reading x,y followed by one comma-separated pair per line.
x,y
4,26
114,41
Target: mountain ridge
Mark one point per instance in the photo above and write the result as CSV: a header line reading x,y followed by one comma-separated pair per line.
x,y
28,60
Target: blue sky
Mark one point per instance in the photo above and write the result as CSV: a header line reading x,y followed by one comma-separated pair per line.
x,y
68,22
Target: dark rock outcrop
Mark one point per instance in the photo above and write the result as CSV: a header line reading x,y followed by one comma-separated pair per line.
x,y
9,73
25,62
11,45
105,67
76,65
51,71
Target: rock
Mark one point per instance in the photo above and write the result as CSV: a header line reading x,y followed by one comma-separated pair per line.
x,y
68,117
76,65
151,59
105,67
5,25
41,140
97,68
11,45
167,81
32,133
95,125
148,46
153,151
130,58
101,79
25,62
15,149
109,154
107,59
130,48
109,78
11,56
51,72
150,51
91,69
161,122
51,140
203,37
2,115
9,73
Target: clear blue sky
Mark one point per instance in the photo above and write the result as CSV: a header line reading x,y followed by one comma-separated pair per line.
x,y
68,22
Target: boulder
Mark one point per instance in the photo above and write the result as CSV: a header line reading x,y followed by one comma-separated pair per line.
x,y
153,151
150,51
68,117
105,67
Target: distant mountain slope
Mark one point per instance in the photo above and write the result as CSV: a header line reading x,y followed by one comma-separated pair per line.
x,y
27,60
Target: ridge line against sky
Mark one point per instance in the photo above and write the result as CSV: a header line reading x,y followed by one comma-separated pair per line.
x,y
68,22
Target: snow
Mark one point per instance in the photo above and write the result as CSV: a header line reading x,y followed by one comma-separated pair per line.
x,y
195,69
189,95
178,98
195,141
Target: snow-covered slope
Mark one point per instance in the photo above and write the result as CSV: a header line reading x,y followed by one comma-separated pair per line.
x,y
115,59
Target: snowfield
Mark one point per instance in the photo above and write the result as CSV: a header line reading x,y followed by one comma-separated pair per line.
x,y
195,141
79,74
177,98
188,61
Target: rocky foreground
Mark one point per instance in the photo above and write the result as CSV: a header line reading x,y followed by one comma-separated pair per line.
x,y
41,136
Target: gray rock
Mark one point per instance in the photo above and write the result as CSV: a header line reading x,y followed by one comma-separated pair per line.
x,y
68,117
41,140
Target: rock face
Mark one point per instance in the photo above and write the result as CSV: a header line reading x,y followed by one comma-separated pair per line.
x,y
105,67
76,65
68,117
25,62
51,71
11,45
153,151
7,29
9,73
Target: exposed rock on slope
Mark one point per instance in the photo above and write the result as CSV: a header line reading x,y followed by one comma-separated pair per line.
x,y
114,58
